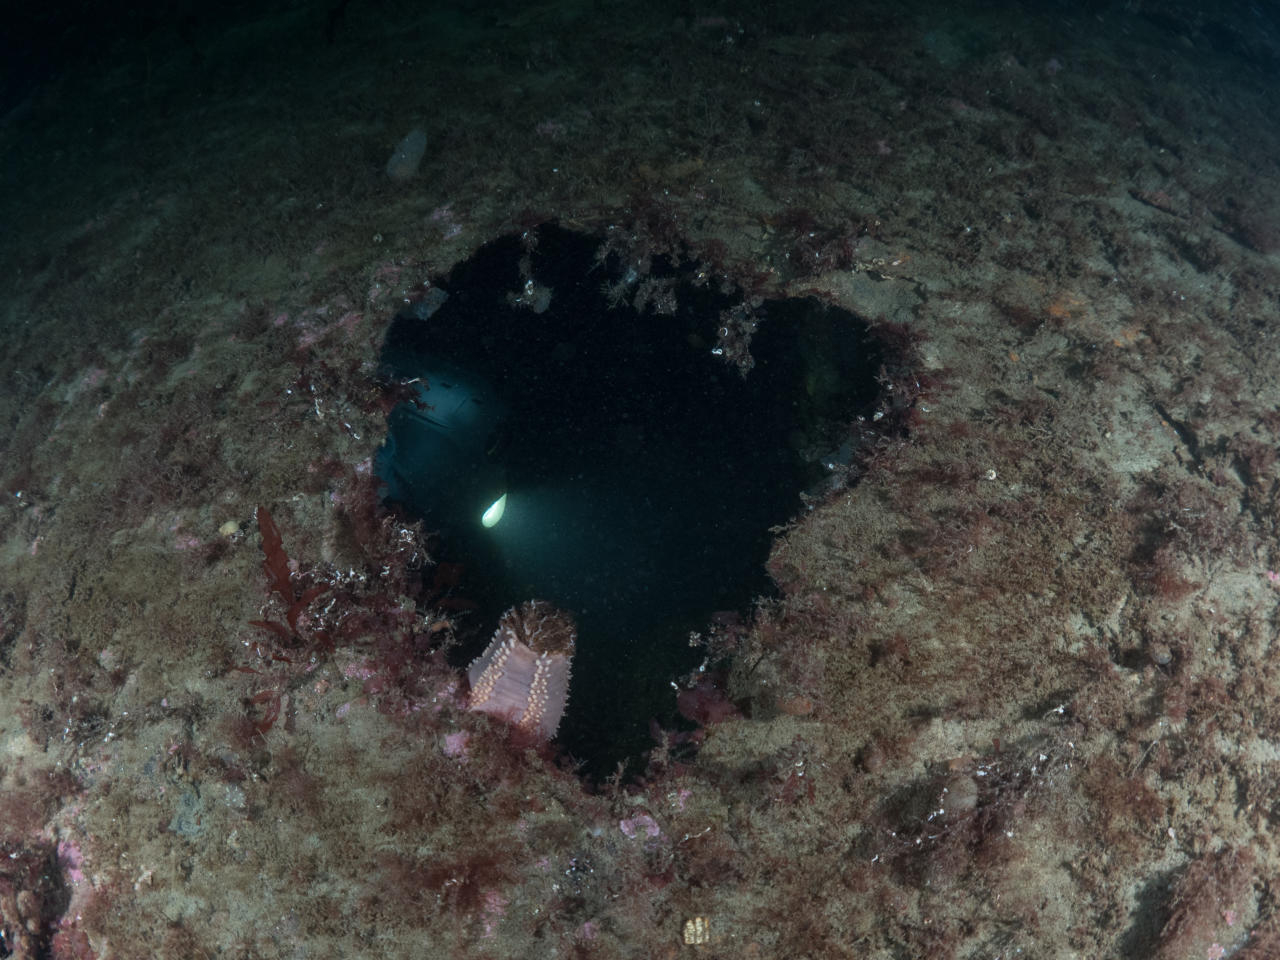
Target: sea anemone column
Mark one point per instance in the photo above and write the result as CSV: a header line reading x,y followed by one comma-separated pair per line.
x,y
523,675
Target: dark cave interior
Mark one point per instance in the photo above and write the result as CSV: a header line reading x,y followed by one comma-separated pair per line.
x,y
640,471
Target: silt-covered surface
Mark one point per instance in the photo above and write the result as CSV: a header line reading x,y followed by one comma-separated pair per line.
x,y
1015,691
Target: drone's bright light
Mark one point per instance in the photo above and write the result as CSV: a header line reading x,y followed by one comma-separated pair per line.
x,y
491,516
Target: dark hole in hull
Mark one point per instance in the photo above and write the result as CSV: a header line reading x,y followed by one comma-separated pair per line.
x,y
643,472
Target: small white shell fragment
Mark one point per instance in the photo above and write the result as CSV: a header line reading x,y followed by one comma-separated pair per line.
x,y
404,163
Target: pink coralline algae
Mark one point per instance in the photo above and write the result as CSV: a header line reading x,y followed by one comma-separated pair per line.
x,y
632,827
455,745
523,675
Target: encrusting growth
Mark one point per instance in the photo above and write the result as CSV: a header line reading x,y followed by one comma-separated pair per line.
x,y
523,675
